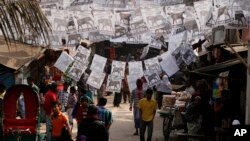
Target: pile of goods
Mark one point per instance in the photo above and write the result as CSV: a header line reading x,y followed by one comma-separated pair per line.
x,y
178,99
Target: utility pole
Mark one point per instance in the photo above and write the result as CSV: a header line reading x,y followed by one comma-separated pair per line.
x,y
247,118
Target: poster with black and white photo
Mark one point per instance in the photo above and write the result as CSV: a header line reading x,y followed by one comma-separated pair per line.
x,y
202,9
220,13
114,84
98,63
135,68
241,14
63,61
85,21
152,65
154,18
77,70
191,22
110,3
175,14
118,68
82,54
168,64
176,40
168,2
152,78
96,79
104,19
77,5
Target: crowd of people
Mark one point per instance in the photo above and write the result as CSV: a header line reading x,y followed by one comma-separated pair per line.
x,y
61,105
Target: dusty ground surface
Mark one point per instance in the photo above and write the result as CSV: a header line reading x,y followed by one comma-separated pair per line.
x,y
122,128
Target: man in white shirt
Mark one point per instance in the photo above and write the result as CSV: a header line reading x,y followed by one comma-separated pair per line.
x,y
163,88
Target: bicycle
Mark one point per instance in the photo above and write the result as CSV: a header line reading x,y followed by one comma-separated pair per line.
x,y
168,116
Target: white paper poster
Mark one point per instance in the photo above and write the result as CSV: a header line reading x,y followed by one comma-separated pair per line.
x,y
105,21
95,79
132,81
110,3
118,68
135,68
77,70
152,65
63,61
114,84
82,54
152,78
168,64
98,63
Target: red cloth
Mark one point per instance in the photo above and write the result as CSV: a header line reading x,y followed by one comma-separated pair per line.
x,y
49,97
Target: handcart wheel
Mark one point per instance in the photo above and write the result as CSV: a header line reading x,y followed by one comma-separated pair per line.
x,y
166,128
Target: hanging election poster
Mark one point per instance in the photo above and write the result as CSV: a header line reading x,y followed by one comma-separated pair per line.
x,y
118,68
110,3
152,65
176,40
95,79
77,70
152,78
82,54
132,81
63,61
220,13
154,18
175,13
191,22
114,84
168,64
241,14
104,19
202,9
77,5
135,68
98,63
85,21
168,2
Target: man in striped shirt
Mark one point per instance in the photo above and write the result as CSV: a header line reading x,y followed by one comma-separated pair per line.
x,y
104,114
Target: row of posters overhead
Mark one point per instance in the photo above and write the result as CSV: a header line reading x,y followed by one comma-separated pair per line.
x,y
140,21
75,66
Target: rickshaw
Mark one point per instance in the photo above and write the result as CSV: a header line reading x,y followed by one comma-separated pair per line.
x,y
26,129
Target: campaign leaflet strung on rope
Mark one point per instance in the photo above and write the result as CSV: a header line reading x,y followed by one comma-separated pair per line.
x,y
132,81
77,69
63,61
135,68
82,54
105,22
98,63
96,79
152,65
168,64
152,78
118,68
114,83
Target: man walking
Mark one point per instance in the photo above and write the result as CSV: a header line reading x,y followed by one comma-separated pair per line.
x,y
50,98
104,114
147,108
